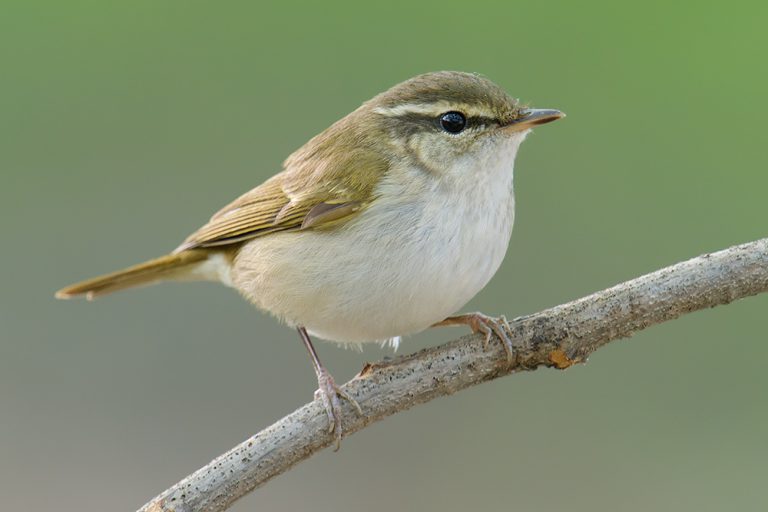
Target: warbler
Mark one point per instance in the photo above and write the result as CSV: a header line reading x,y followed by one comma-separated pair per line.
x,y
386,223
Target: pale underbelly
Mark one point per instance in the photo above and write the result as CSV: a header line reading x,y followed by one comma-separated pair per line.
x,y
374,280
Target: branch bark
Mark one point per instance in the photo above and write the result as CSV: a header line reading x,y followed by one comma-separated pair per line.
x,y
557,337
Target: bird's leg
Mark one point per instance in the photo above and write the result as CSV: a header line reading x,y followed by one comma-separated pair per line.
x,y
328,391
487,325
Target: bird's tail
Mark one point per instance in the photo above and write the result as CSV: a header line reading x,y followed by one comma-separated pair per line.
x,y
177,266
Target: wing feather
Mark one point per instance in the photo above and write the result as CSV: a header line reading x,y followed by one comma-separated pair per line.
x,y
284,202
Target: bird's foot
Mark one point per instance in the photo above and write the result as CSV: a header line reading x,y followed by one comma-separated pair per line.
x,y
331,394
488,326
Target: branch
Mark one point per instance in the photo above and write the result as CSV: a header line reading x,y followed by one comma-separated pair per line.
x,y
557,337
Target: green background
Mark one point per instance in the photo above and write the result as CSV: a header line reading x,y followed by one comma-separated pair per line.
x,y
124,125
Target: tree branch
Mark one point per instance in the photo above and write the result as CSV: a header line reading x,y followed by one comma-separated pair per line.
x,y
557,337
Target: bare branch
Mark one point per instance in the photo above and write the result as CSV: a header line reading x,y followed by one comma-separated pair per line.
x,y
557,337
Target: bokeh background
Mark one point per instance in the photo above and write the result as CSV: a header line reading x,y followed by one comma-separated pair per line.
x,y
123,125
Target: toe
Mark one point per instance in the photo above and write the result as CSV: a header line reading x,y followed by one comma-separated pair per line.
x,y
346,396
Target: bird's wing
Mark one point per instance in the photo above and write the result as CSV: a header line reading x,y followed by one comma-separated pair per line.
x,y
295,199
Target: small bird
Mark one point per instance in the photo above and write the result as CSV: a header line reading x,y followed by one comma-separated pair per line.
x,y
383,225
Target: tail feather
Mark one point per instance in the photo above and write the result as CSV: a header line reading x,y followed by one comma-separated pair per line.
x,y
166,267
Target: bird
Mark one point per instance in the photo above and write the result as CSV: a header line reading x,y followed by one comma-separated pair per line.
x,y
385,224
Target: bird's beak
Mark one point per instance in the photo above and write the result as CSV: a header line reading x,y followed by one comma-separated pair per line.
x,y
533,117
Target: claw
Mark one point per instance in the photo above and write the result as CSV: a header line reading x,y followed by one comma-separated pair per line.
x,y
487,325
331,394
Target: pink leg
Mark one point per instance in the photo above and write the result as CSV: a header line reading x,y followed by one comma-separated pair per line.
x,y
328,391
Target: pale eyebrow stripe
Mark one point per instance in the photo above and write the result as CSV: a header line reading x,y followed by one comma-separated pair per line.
x,y
433,109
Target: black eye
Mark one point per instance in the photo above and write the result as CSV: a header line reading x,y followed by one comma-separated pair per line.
x,y
453,122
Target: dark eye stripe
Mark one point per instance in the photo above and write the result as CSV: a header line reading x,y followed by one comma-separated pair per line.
x,y
481,121
432,122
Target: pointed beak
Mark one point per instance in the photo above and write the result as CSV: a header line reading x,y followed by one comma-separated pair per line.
x,y
533,117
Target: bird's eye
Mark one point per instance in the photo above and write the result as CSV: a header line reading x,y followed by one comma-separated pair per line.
x,y
453,122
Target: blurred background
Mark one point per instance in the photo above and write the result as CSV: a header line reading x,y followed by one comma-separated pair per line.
x,y
124,125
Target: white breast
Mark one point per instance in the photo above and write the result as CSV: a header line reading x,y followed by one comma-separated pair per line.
x,y
400,266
